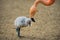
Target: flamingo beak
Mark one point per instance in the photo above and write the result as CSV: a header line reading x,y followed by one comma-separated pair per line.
x,y
33,19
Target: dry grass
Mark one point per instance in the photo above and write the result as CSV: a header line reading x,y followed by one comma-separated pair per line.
x,y
46,27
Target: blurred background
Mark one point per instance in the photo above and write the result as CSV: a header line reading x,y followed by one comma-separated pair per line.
x,y
46,27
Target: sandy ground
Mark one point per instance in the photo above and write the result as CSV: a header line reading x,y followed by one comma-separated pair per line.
x,y
46,27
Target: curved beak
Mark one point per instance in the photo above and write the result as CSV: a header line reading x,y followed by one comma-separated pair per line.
x,y
33,19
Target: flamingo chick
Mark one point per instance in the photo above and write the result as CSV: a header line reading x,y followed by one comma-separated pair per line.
x,y
21,22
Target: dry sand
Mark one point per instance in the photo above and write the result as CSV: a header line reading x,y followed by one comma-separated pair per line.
x,y
46,27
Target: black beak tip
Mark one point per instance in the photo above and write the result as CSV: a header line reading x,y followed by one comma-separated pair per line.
x,y
33,19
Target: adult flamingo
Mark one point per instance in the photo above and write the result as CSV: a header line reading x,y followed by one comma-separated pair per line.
x,y
33,8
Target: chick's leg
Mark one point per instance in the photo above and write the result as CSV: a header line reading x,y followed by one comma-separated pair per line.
x,y
18,31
